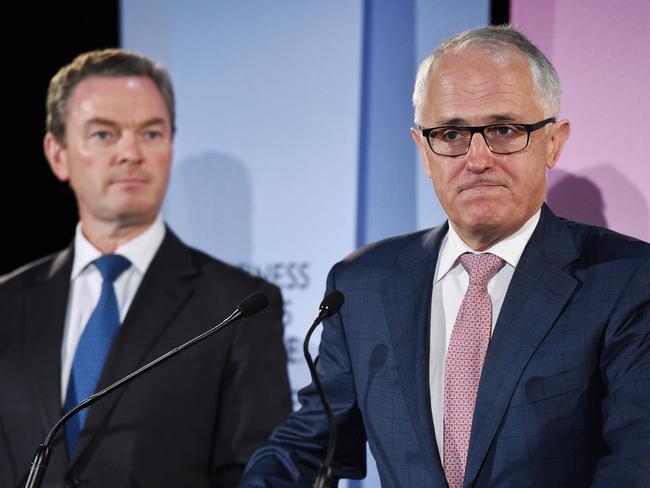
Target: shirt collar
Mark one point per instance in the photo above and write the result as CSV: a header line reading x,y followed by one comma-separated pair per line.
x,y
139,250
509,249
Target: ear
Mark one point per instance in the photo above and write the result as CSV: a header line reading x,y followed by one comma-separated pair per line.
x,y
422,147
57,156
561,130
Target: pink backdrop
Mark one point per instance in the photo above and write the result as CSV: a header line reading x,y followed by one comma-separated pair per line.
x,y
601,49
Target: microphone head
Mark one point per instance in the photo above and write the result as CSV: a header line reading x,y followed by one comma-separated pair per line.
x,y
332,303
253,304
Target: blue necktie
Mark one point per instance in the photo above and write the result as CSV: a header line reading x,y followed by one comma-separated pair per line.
x,y
94,345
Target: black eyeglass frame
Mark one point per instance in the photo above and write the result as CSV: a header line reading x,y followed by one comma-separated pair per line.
x,y
481,130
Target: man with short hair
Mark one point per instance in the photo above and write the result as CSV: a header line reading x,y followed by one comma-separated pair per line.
x,y
126,291
507,347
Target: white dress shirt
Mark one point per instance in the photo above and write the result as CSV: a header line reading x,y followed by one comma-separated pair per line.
x,y
450,283
86,285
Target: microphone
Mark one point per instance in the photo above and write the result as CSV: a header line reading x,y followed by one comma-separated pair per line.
x,y
250,306
328,307
253,304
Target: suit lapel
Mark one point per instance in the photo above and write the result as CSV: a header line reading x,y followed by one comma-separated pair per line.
x,y
407,299
536,296
45,309
164,289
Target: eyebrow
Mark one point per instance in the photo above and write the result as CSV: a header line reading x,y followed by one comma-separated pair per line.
x,y
491,119
100,121
113,124
154,121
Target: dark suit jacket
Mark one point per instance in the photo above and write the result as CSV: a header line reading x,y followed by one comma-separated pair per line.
x,y
193,421
564,397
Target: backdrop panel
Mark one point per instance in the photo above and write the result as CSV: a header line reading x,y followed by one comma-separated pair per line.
x,y
601,50
265,156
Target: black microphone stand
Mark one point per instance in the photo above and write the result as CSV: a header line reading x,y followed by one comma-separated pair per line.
x,y
329,306
251,305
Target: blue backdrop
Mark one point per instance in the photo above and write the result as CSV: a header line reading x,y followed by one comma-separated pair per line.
x,y
293,145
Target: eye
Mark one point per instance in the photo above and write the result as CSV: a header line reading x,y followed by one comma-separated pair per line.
x,y
101,135
153,135
506,131
503,130
450,135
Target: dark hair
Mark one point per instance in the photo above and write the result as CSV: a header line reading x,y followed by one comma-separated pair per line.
x,y
106,62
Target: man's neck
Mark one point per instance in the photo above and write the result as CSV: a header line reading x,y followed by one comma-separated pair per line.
x,y
108,237
482,239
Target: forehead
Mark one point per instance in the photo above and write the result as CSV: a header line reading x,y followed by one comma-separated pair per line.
x,y
476,86
118,98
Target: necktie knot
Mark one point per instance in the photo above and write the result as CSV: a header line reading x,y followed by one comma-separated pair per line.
x,y
481,267
111,266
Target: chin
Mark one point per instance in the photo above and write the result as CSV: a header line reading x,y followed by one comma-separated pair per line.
x,y
486,213
483,228
136,214
484,223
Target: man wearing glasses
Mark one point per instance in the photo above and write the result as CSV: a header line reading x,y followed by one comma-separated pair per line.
x,y
507,347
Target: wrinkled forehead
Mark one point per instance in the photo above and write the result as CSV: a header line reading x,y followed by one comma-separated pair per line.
x,y
488,59
480,83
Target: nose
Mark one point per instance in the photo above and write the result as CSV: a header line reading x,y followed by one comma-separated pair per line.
x,y
479,156
130,150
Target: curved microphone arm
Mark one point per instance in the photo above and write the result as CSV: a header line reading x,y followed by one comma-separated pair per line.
x,y
329,306
251,305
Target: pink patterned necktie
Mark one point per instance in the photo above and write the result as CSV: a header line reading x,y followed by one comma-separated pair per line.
x,y
465,355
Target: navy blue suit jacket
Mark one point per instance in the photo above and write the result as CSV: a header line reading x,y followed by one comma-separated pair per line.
x,y
564,397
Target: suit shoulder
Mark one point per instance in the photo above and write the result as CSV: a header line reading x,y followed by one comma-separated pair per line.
x,y
27,273
598,244
384,252
235,276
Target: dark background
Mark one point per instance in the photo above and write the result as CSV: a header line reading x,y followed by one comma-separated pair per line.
x,y
39,212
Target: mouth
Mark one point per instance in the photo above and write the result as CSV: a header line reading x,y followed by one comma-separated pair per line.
x,y
481,185
129,180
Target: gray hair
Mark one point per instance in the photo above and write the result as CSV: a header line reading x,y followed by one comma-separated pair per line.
x,y
106,62
495,39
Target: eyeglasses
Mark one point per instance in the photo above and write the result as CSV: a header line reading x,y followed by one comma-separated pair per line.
x,y
455,140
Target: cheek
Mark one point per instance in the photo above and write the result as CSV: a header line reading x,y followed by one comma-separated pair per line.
x,y
91,174
83,177
159,157
532,182
161,171
444,183
163,162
